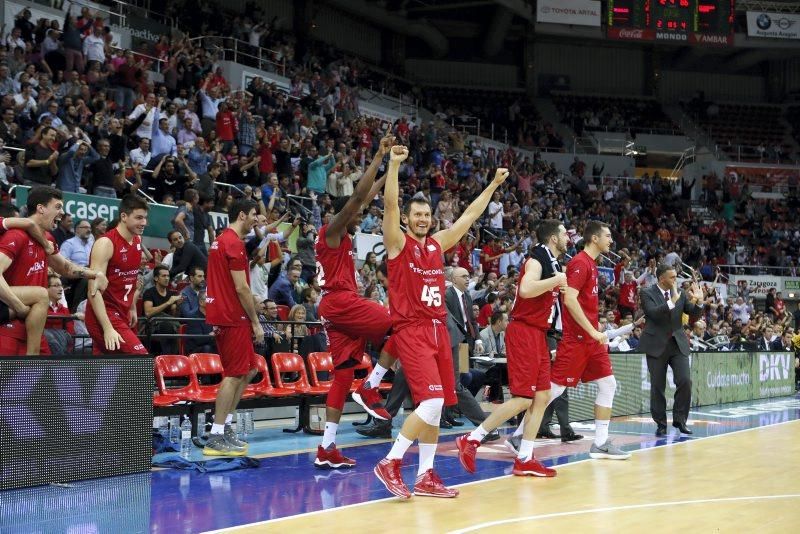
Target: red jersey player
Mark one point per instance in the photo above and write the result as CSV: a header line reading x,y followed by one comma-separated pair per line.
x,y
582,354
230,308
349,319
527,352
24,262
111,316
419,317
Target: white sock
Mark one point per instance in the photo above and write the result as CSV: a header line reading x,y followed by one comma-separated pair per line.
x,y
376,375
601,431
478,434
217,429
426,453
525,450
401,445
330,434
520,428
229,419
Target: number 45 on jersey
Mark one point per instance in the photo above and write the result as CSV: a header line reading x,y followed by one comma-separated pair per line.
x,y
431,296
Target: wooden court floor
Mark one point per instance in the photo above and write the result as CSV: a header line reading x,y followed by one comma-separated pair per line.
x,y
747,481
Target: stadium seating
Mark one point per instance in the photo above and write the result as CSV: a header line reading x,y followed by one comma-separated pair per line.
x,y
179,367
261,385
320,362
285,363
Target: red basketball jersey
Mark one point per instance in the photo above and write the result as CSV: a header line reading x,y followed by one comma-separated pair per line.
x,y
336,270
227,254
28,268
416,283
122,273
582,275
538,311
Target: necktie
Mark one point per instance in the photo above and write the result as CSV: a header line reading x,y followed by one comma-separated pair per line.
x,y
666,295
470,327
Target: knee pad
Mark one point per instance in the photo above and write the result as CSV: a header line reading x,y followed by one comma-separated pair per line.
x,y
430,411
342,380
606,387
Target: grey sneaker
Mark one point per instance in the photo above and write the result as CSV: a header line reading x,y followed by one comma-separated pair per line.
x,y
217,445
512,443
608,451
230,437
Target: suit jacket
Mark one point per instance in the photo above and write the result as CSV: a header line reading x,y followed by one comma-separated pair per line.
x,y
459,333
663,323
491,345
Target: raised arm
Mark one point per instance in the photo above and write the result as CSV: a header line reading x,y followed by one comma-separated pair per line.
x,y
354,204
449,237
393,238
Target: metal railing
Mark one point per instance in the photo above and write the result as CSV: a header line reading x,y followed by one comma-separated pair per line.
x,y
231,49
760,269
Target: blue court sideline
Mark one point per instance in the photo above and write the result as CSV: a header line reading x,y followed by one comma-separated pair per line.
x,y
286,483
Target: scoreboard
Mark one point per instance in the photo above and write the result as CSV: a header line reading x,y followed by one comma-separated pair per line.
x,y
707,22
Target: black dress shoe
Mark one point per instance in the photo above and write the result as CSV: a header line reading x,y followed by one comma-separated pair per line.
x,y
494,435
661,431
378,429
547,434
683,428
566,438
455,422
444,423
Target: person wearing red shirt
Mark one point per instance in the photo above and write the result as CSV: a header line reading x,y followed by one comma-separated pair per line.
x,y
582,355
527,352
486,310
628,295
230,309
226,126
420,337
490,256
111,316
349,319
25,262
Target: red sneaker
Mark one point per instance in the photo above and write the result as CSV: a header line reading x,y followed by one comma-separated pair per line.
x,y
430,485
388,472
331,458
467,450
371,401
532,467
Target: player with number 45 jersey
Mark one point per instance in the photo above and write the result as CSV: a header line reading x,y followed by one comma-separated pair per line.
x,y
419,321
111,316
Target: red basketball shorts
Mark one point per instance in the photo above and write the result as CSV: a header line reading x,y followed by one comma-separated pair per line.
x,y
580,360
130,343
528,360
427,359
235,346
350,321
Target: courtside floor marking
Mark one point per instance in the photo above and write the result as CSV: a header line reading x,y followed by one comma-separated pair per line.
x,y
671,444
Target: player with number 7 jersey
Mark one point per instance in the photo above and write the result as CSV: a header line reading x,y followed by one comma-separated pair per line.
x,y
111,315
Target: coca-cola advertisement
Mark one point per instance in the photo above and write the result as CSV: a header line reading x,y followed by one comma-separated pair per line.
x,y
631,34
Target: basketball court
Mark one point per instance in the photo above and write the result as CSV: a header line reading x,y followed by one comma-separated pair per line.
x,y
736,473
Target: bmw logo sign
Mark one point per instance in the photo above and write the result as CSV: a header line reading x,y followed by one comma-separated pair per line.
x,y
763,21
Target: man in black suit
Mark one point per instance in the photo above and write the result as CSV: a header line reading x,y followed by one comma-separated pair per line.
x,y
463,328
664,343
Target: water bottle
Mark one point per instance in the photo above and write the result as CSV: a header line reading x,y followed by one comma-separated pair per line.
x,y
163,426
250,423
186,437
174,429
201,424
239,424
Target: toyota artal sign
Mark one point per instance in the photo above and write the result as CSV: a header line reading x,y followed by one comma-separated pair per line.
x,y
572,12
773,25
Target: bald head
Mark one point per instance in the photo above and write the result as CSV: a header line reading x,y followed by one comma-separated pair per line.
x,y
460,278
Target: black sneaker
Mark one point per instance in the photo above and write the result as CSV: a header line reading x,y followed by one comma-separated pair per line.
x,y
547,434
566,438
378,429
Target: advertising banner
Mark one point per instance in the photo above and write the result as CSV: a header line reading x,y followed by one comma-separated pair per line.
x,y
773,25
366,243
717,377
572,12
759,285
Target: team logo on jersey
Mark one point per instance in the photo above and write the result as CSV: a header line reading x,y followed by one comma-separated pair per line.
x,y
417,251
431,248
123,250
35,268
436,387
